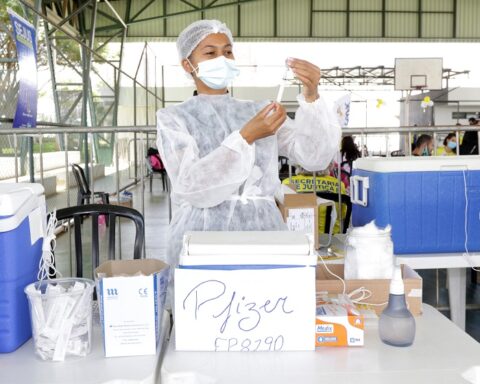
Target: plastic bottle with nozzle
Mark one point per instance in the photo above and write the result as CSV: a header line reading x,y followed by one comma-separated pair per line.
x,y
396,324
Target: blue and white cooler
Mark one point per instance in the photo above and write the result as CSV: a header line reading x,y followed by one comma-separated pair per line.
x,y
432,203
22,227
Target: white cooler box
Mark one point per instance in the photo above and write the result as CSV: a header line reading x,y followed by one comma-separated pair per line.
x,y
432,203
245,291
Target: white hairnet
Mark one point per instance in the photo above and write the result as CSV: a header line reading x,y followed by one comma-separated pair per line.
x,y
191,36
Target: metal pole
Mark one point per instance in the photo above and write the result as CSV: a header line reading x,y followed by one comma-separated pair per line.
x,y
30,159
409,149
67,173
87,60
118,79
457,149
146,84
155,84
339,177
142,181
135,174
117,190
163,87
67,189
51,64
92,175
15,144
41,159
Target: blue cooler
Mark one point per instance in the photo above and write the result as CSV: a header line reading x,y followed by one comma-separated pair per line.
x,y
22,227
430,202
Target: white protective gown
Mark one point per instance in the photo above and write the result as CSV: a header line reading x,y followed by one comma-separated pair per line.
x,y
219,181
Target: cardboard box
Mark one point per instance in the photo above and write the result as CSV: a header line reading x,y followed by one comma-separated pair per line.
x,y
131,295
378,287
338,323
300,211
126,202
245,291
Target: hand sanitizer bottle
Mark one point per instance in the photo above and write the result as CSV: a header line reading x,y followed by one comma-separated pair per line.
x,y
396,324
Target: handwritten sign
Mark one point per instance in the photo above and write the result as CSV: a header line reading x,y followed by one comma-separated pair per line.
x,y
301,220
245,310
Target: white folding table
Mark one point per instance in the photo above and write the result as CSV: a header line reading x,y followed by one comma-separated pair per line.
x,y
455,263
441,353
23,367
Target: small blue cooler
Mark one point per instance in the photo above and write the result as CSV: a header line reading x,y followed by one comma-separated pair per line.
x,y
22,227
425,199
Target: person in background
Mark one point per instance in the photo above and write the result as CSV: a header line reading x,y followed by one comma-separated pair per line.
x,y
423,146
449,146
349,152
302,182
469,144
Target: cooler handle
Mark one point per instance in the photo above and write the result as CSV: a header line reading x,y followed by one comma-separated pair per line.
x,y
354,187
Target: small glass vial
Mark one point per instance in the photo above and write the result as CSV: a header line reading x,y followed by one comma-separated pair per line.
x,y
396,324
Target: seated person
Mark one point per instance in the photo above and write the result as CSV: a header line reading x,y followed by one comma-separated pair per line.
x,y
303,183
423,146
449,146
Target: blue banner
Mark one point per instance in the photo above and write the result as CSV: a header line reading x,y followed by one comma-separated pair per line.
x,y
24,32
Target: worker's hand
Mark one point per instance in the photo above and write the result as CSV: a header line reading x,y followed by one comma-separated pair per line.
x,y
265,123
308,74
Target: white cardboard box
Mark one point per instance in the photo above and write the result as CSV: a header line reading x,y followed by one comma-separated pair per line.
x,y
131,305
246,298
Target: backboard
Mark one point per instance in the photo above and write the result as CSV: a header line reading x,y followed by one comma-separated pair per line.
x,y
418,73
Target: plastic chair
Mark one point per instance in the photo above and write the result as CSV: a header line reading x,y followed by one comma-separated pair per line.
x,y
151,172
84,193
334,197
111,212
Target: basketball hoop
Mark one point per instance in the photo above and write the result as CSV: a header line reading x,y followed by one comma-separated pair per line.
x,y
418,74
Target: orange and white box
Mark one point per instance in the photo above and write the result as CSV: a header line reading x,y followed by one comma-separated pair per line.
x,y
338,323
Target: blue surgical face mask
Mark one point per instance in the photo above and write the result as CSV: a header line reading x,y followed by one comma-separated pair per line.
x,y
217,73
452,144
425,152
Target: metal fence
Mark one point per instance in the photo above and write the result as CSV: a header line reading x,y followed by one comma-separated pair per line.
x,y
130,145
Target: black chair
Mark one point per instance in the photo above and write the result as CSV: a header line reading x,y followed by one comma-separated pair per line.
x,y
111,212
151,172
334,197
84,194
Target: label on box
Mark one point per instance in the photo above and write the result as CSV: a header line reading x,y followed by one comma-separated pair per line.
x,y
128,312
245,310
301,220
338,324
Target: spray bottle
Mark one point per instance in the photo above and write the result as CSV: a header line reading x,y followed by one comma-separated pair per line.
x,y
396,325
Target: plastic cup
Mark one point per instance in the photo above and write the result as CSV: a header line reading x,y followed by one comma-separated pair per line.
x,y
61,317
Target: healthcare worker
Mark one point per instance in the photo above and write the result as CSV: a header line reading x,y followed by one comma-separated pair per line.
x,y
222,153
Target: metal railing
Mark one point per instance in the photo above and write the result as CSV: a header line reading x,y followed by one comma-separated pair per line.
x,y
143,135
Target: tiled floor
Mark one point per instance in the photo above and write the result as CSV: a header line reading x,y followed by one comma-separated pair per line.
x,y
156,221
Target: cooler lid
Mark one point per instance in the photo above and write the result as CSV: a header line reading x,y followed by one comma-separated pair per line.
x,y
14,196
418,163
246,243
